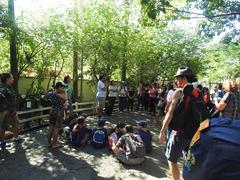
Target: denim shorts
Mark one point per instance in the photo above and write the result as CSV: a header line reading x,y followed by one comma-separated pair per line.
x,y
176,144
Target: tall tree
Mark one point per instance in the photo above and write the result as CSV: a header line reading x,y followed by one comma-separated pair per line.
x,y
13,45
75,52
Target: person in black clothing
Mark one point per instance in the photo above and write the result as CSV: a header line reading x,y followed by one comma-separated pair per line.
x,y
130,95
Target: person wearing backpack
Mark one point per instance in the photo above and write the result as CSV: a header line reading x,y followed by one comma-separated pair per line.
x,y
99,135
130,149
178,140
145,134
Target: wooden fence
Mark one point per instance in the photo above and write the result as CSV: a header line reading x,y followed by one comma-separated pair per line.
x,y
39,117
35,118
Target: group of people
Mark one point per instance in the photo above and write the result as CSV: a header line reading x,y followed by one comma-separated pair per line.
x,y
128,143
204,126
149,97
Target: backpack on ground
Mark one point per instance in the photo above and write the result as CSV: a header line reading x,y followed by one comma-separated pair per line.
x,y
137,146
99,137
189,112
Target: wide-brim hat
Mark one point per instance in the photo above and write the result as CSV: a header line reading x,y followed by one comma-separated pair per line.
x,y
187,72
184,71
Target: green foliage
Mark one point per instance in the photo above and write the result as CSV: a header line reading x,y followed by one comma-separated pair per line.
x,y
106,34
222,16
224,62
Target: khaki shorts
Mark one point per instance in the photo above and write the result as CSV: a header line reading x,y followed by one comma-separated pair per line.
x,y
8,120
100,102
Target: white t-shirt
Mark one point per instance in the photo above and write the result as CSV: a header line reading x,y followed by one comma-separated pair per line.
x,y
170,95
100,92
123,91
112,91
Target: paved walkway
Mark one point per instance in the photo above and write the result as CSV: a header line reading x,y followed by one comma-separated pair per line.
x,y
33,160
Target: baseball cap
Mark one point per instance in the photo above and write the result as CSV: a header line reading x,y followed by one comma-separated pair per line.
x,y
141,123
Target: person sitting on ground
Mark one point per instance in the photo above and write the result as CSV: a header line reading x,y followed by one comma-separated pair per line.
x,y
130,148
80,133
115,134
145,134
99,135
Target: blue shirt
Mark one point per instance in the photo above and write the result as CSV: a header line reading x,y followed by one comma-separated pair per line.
x,y
146,137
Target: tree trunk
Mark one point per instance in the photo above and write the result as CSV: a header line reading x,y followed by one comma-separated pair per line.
x,y
124,61
75,73
13,46
124,69
81,82
75,53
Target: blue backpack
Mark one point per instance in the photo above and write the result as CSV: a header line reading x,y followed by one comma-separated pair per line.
x,y
99,138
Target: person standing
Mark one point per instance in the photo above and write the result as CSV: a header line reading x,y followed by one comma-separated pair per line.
x,y
178,140
122,96
66,83
8,110
58,98
112,89
140,90
152,98
101,96
130,96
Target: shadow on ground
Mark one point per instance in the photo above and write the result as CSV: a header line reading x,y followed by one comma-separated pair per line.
x,y
33,160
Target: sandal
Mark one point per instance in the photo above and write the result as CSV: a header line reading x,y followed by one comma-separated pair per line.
x,y
56,147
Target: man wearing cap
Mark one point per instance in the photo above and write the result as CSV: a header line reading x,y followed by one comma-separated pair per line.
x,y
178,141
145,134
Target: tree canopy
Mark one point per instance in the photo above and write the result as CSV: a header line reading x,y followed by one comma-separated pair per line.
x,y
133,40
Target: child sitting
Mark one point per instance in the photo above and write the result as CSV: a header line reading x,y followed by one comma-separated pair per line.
x,y
130,148
115,134
80,133
145,134
99,135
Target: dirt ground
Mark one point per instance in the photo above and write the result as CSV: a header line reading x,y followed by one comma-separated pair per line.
x,y
33,160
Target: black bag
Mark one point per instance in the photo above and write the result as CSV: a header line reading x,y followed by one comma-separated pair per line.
x,y
189,112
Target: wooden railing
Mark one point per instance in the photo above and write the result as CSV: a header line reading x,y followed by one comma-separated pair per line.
x,y
40,116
